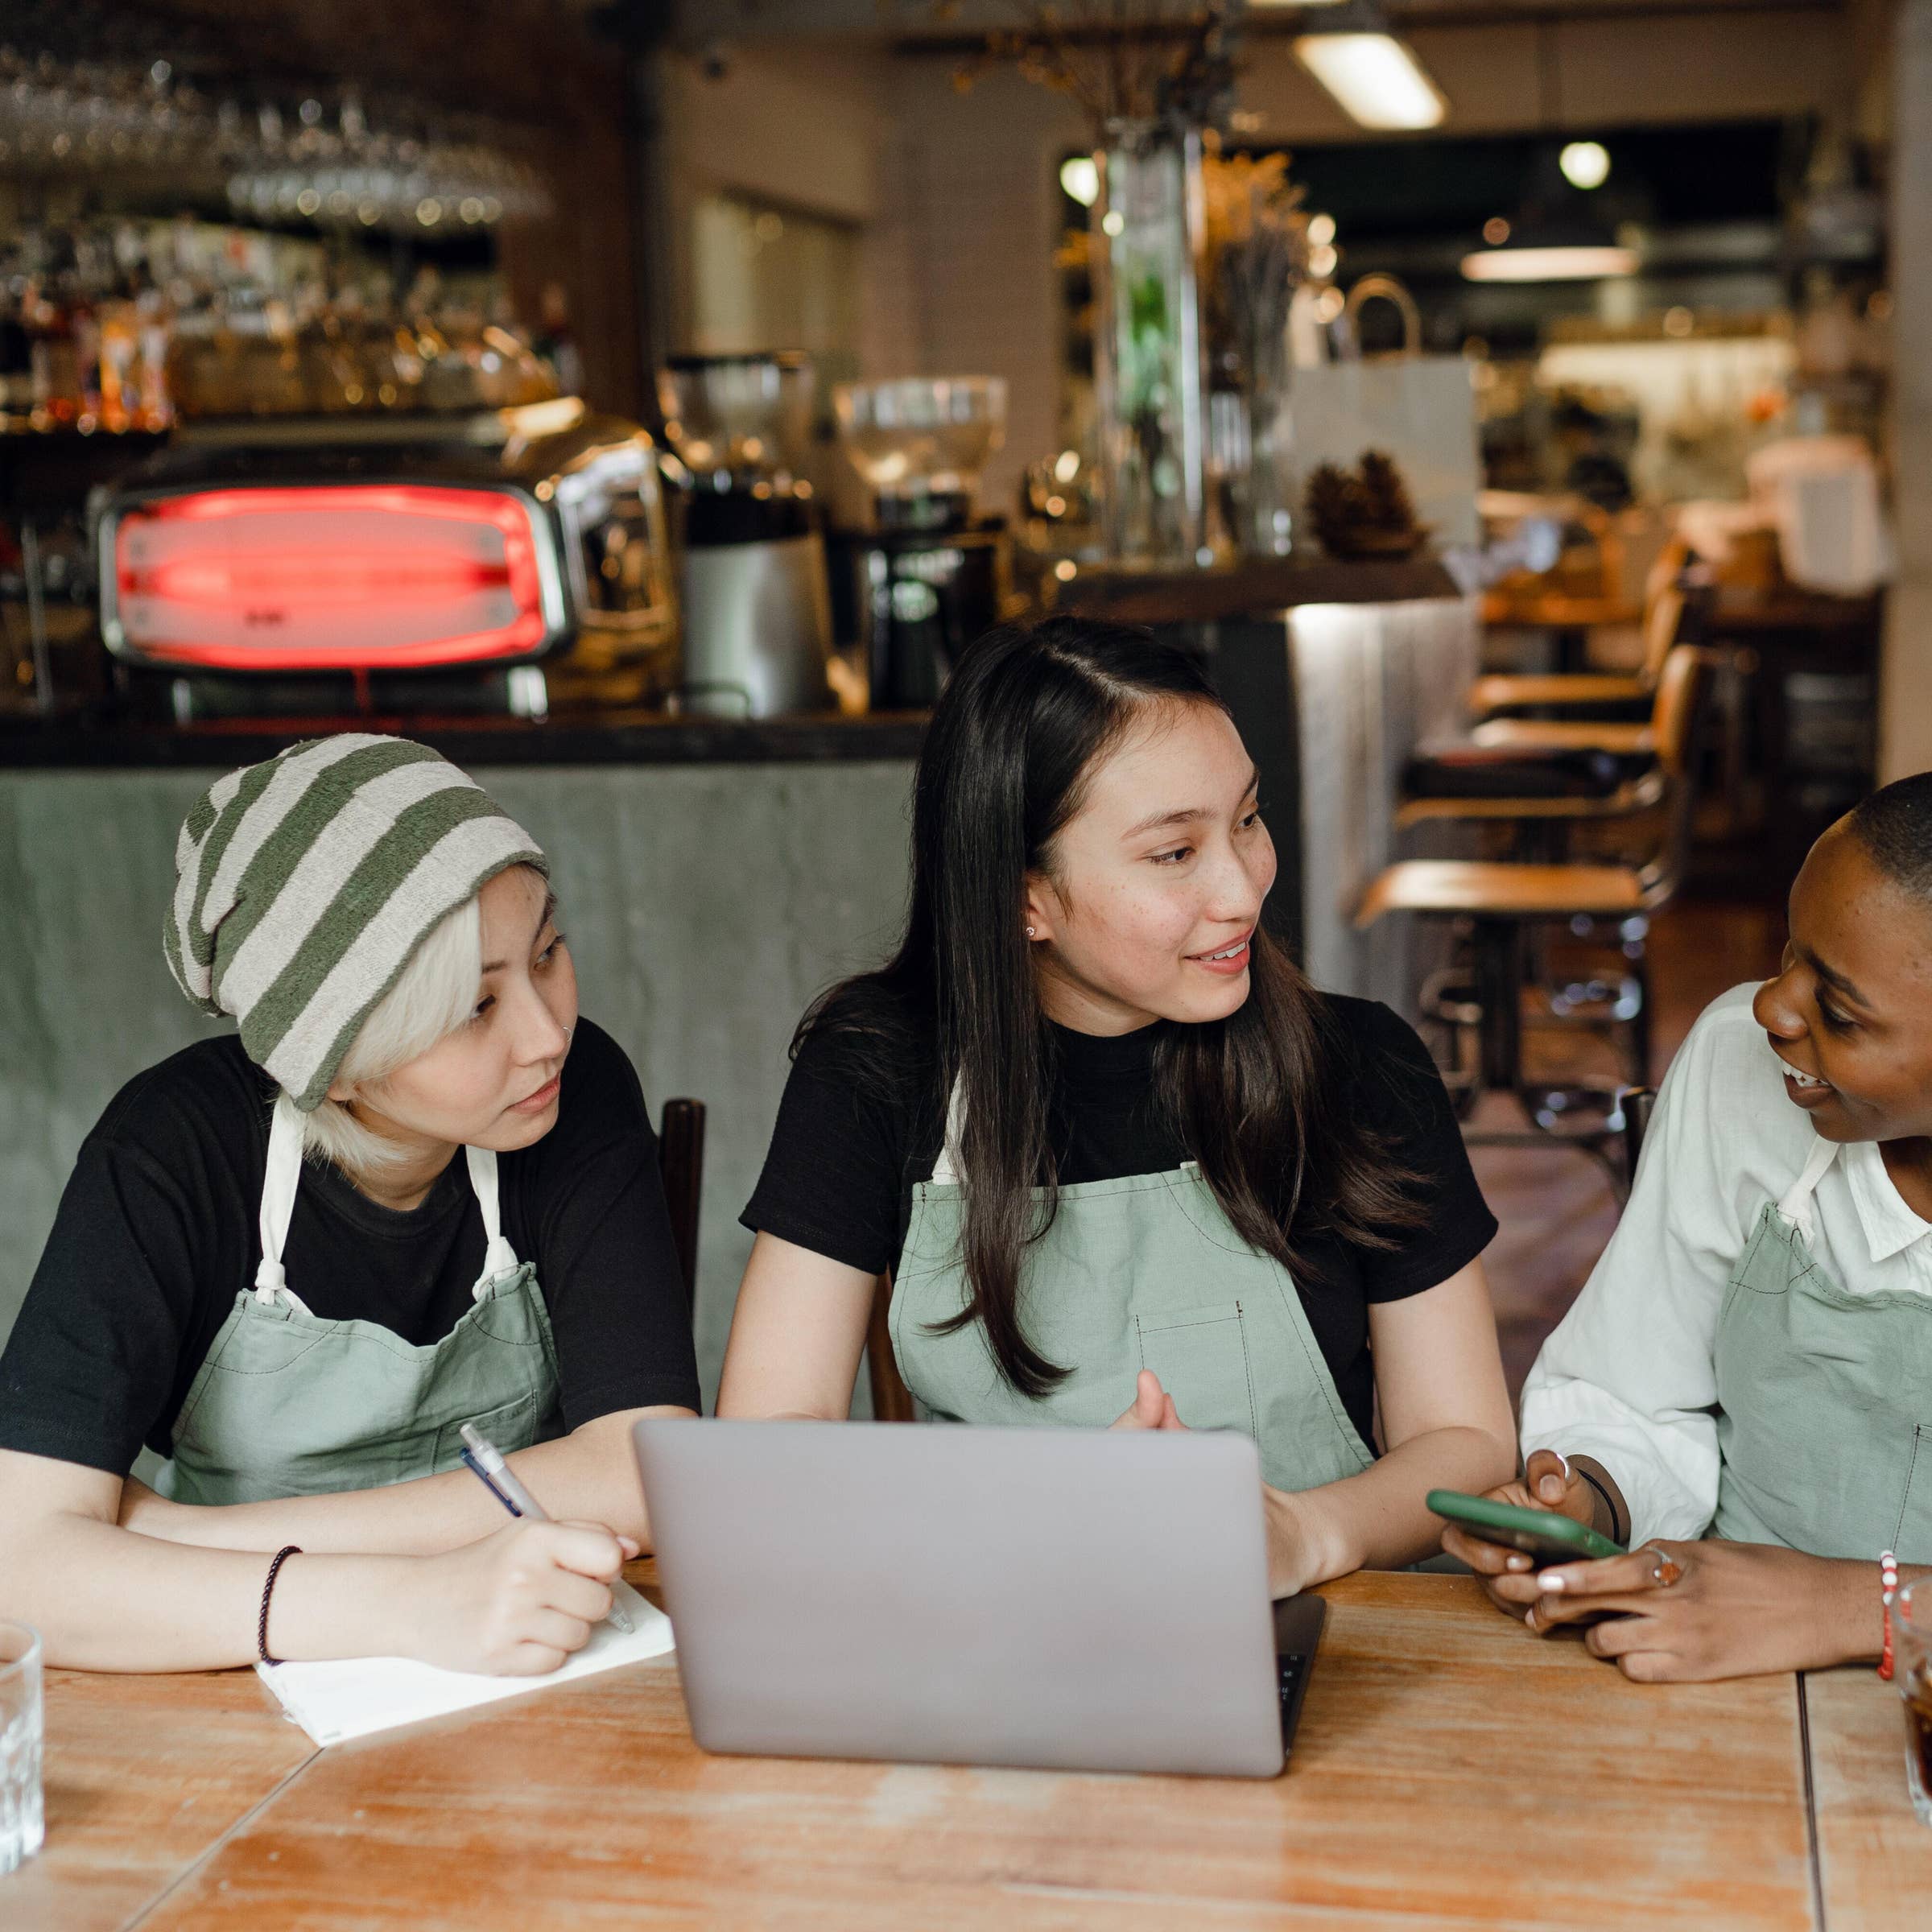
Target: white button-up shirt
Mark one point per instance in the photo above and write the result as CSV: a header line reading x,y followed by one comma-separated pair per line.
x,y
1629,1376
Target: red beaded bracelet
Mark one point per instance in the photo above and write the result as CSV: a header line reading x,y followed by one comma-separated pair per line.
x,y
1888,1588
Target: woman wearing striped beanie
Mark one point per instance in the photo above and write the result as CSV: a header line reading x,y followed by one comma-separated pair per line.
x,y
271,1267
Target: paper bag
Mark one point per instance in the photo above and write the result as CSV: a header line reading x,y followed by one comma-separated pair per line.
x,y
1421,410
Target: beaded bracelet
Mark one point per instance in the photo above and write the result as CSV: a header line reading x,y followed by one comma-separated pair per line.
x,y
1887,1589
268,1590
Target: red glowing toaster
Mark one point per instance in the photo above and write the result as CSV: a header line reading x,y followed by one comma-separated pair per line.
x,y
491,542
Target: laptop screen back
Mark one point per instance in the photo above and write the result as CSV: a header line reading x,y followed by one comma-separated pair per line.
x,y
1087,1599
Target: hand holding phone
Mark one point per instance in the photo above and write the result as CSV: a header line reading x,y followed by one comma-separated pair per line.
x,y
1557,1500
1542,1535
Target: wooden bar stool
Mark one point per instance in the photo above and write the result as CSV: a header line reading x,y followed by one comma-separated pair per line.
x,y
1668,609
1501,904
1536,780
1592,774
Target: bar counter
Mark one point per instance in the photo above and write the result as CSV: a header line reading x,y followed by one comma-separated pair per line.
x,y
715,875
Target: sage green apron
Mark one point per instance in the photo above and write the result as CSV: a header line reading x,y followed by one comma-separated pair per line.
x,y
1825,1398
286,1404
1146,1272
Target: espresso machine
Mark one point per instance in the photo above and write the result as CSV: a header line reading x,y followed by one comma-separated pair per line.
x,y
928,575
488,561
753,593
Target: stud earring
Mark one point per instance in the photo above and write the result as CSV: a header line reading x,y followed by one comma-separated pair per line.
x,y
1029,932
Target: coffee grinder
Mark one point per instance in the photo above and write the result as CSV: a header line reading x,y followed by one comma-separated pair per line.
x,y
756,616
929,576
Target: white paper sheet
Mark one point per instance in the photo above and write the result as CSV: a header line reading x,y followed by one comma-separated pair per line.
x,y
352,1697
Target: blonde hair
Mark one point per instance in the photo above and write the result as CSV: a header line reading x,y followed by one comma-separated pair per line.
x,y
435,994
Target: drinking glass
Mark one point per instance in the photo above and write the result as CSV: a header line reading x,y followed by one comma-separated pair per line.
x,y
21,1825
1912,1664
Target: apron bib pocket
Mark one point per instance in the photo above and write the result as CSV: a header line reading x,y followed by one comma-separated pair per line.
x,y
1201,1356
516,1425
1913,1528
1099,1286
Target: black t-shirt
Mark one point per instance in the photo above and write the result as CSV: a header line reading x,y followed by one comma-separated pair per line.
x,y
844,1163
158,1230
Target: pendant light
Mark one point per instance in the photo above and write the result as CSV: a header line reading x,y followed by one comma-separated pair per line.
x,y
1545,253
1557,236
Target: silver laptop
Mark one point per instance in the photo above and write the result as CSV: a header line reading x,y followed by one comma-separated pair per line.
x,y
1085,1600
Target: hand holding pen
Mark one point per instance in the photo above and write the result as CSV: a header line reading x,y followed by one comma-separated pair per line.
x,y
485,1462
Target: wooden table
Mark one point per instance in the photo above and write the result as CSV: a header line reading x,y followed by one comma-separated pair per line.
x,y
1448,1771
1874,1857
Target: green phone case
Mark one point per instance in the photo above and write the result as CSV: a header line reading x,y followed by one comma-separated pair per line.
x,y
1550,1538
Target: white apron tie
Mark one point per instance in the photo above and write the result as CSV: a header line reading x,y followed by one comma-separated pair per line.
x,y
1796,1206
283,1174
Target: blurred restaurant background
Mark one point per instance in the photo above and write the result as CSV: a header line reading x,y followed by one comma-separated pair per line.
x,y
645,402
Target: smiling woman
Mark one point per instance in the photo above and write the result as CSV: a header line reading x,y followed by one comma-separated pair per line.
x,y
411,1192
1743,1385
1123,1165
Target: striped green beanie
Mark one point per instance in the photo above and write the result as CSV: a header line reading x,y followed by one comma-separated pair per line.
x,y
303,884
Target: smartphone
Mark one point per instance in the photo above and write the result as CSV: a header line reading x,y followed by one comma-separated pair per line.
x,y
1539,1533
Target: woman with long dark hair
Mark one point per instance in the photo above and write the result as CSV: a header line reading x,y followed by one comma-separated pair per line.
x,y
1122,1164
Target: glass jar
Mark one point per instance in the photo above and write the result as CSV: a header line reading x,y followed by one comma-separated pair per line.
x,y
1149,354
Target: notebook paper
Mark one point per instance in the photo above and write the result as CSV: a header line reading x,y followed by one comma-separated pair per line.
x,y
353,1696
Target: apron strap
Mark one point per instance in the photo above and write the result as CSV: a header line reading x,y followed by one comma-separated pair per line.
x,y
1796,1206
282,1175
946,1170
499,1257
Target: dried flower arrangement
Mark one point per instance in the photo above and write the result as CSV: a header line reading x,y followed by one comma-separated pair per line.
x,y
1121,61
1257,255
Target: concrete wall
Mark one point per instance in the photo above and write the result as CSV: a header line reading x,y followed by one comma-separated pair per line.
x,y
706,905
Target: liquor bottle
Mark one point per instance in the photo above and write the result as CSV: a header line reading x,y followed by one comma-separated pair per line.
x,y
56,368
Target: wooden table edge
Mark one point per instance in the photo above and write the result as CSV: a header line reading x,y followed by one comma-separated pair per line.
x,y
236,1826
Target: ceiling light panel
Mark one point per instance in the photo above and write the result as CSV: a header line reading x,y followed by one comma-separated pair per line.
x,y
1378,81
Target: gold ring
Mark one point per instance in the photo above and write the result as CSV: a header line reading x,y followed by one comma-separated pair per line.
x,y
1666,1570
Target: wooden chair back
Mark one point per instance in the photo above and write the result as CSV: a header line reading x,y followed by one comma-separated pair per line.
x,y
1666,607
1634,1104
891,1399
1673,721
681,1162
1673,708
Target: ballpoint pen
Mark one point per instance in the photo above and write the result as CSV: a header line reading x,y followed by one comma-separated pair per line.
x,y
485,1461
